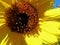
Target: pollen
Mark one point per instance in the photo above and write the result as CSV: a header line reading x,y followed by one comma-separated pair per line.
x,y
21,17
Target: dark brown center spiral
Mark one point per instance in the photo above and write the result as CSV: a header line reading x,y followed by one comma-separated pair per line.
x,y
21,17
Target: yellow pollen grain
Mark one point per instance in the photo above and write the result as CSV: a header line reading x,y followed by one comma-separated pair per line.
x,y
18,28
20,18
16,23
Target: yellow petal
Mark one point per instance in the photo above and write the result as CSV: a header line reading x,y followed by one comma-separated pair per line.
x,y
53,12
51,27
1,16
49,38
1,12
2,20
4,41
31,40
4,4
1,24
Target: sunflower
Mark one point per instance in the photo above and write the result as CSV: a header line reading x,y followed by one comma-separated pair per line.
x,y
26,22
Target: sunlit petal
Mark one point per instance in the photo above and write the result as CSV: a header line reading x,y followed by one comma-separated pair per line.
x,y
1,16
49,38
4,4
3,32
51,27
4,41
31,40
2,20
1,12
1,24
53,12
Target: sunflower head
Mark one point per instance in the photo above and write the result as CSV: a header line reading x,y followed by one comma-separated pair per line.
x,y
21,17
24,17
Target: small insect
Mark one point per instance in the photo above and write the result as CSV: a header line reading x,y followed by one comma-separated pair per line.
x,y
21,17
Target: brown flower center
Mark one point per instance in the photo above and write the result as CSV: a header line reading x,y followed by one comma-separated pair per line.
x,y
21,17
